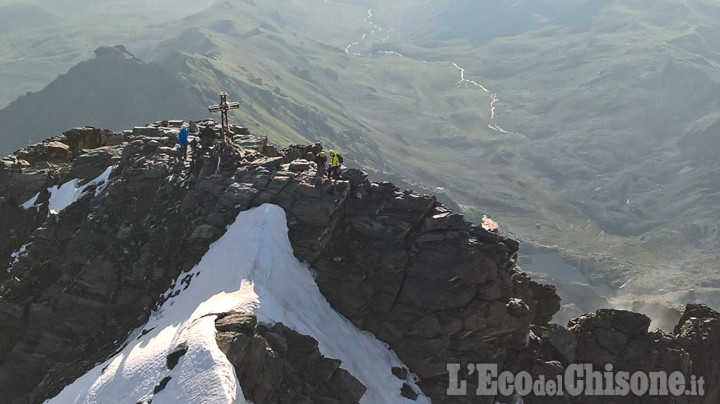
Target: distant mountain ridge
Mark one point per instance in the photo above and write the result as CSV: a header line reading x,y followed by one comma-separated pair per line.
x,y
107,91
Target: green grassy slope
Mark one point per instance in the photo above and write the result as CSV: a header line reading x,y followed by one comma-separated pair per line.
x,y
578,124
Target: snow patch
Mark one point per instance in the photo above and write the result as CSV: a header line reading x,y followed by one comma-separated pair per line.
x,y
30,202
66,194
16,256
250,268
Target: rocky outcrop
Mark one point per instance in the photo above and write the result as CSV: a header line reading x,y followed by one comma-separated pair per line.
x,y
619,341
275,364
397,263
698,333
394,262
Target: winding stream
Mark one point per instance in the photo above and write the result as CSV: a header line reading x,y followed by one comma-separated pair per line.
x,y
462,83
374,28
466,83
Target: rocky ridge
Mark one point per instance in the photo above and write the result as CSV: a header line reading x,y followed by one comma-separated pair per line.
x,y
434,287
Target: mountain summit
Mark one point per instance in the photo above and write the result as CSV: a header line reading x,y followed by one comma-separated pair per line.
x,y
110,89
136,276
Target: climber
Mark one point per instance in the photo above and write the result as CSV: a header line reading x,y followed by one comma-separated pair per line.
x,y
195,148
183,138
335,161
320,160
207,137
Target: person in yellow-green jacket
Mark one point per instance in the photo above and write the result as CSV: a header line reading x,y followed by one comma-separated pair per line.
x,y
336,161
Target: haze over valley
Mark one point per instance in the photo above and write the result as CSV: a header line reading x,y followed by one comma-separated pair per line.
x,y
588,130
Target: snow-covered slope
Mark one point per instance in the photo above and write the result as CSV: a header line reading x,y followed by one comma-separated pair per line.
x,y
252,267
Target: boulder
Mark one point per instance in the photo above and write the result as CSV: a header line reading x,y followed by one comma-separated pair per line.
x,y
299,165
275,364
48,151
85,138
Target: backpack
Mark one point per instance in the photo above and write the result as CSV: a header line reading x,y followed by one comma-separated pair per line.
x,y
340,159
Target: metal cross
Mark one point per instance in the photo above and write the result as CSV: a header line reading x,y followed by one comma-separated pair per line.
x,y
223,108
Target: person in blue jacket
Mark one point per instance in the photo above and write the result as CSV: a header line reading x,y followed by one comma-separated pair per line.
x,y
183,139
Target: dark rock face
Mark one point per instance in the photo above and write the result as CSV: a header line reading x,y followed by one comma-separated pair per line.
x,y
275,364
435,288
698,333
401,266
91,273
394,262
621,340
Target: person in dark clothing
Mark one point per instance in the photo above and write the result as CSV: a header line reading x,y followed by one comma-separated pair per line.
x,y
195,148
320,161
207,137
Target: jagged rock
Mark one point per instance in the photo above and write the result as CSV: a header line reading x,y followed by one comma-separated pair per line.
x,y
495,319
278,365
372,201
381,227
698,333
355,176
269,162
257,143
395,263
559,338
543,300
299,165
86,138
444,219
91,163
237,195
49,151
484,235
621,338
174,357
411,201
615,337
205,232
304,152
15,164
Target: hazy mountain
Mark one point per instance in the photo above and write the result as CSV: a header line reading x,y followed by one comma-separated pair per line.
x,y
586,126
106,91
19,16
43,38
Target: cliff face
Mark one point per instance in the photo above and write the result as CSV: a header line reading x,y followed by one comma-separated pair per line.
x,y
434,287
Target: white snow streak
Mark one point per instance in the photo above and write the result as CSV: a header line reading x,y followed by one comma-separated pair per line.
x,y
252,267
30,202
65,195
16,256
